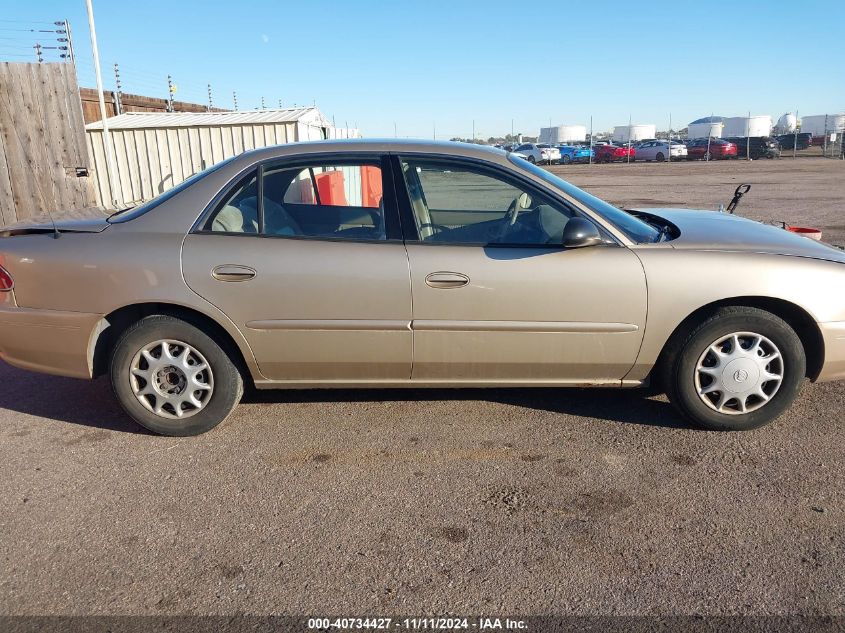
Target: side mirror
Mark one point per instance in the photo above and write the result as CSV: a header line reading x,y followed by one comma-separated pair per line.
x,y
580,232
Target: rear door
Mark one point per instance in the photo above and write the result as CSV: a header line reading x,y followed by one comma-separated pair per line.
x,y
306,258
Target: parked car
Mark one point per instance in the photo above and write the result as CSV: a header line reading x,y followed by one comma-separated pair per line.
x,y
659,150
284,267
537,153
787,141
700,148
575,154
757,146
608,152
552,151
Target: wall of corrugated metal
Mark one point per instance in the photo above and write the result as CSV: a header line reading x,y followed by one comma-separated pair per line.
x,y
150,161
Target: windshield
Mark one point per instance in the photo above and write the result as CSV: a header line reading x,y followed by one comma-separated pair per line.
x,y
130,213
635,229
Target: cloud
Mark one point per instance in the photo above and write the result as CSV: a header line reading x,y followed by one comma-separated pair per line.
x,y
265,38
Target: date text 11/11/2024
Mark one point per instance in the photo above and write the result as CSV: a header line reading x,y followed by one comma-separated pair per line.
x,y
423,623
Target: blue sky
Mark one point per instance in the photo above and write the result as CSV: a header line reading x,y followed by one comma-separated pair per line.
x,y
446,63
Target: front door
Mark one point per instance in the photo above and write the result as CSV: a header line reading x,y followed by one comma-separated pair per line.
x,y
300,257
497,299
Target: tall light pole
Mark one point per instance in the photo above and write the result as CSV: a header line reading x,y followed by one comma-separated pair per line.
x,y
111,171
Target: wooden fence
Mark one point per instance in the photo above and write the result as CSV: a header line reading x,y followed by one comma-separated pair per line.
x,y
132,103
44,163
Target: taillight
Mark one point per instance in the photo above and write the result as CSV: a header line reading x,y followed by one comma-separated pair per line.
x,y
6,281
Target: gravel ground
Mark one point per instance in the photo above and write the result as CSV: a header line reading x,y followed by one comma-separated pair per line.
x,y
429,502
803,192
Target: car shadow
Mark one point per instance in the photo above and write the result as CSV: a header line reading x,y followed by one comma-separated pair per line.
x,y
628,406
92,404
83,402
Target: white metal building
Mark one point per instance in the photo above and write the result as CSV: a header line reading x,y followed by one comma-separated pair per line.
x,y
156,151
563,134
635,132
712,129
823,124
753,126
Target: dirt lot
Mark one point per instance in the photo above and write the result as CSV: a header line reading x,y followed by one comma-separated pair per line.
x,y
804,191
430,502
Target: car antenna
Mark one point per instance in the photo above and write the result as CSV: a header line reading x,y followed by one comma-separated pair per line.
x,y
56,234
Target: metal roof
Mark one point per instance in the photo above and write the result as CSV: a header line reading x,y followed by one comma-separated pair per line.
x,y
158,120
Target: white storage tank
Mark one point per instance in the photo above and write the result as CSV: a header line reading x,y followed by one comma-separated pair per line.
x,y
753,126
787,123
712,129
563,134
819,124
636,132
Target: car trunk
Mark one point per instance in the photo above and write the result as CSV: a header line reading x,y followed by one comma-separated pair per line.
x,y
82,221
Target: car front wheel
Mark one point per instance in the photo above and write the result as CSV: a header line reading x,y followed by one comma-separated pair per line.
x,y
737,370
172,378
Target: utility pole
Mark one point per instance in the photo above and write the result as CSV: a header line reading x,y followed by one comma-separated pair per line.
x,y
210,101
118,95
111,172
262,103
473,130
170,91
38,55
669,141
795,138
591,140
280,104
748,137
235,99
69,37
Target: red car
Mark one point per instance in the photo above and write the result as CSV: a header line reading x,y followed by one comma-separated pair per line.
x,y
610,153
698,148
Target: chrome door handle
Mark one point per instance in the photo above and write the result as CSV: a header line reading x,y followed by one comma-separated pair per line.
x,y
446,280
232,272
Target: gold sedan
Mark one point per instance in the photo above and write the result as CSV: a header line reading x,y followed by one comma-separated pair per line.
x,y
416,264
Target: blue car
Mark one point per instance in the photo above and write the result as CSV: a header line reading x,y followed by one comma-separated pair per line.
x,y
575,154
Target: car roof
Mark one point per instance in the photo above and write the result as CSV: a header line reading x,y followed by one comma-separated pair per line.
x,y
378,145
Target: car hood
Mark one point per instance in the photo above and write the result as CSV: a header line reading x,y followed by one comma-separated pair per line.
x,y
711,230
93,220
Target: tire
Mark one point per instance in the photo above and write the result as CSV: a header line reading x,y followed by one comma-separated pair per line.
x,y
686,365
660,157
565,159
531,159
219,387
708,156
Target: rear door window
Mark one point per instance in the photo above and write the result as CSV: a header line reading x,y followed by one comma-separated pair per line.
x,y
325,200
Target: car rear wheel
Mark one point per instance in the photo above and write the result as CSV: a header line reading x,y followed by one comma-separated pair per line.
x,y
172,378
737,370
660,157
707,156
565,159
532,160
